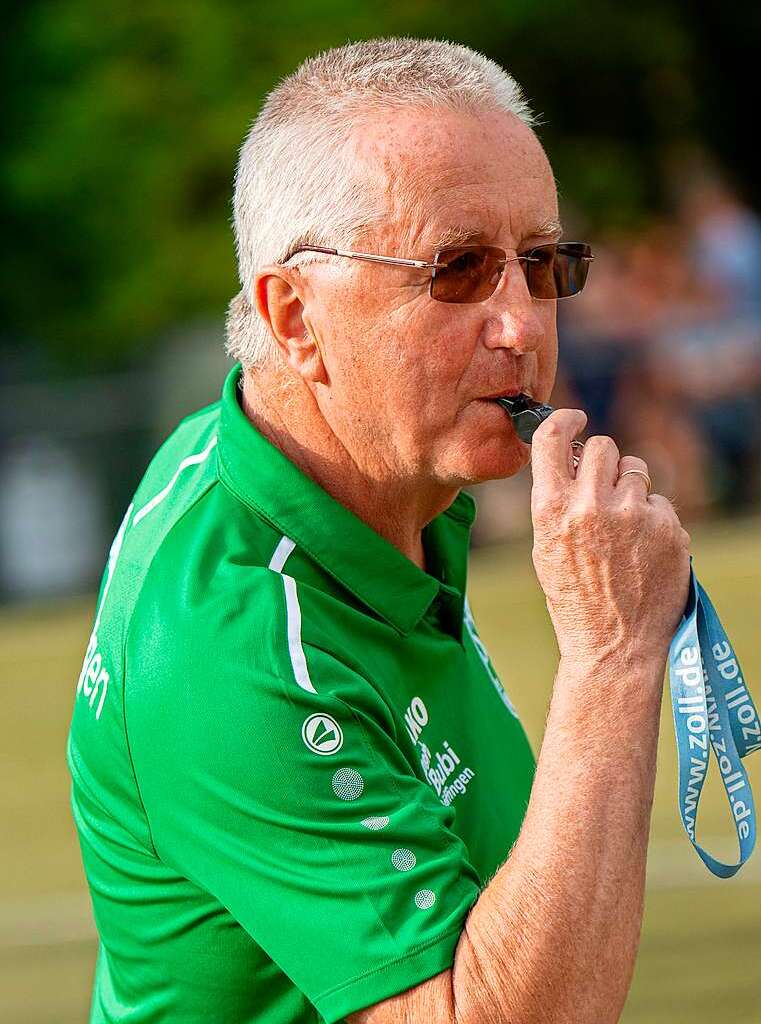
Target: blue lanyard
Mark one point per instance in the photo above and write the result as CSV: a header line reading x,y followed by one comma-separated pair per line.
x,y
712,705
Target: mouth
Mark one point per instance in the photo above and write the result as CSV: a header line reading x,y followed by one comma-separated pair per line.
x,y
509,392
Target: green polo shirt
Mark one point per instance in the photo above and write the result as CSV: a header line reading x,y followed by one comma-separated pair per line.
x,y
293,765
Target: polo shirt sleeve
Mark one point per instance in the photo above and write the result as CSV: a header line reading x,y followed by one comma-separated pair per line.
x,y
298,810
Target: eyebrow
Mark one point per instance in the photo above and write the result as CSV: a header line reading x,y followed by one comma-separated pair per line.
x,y
461,235
551,228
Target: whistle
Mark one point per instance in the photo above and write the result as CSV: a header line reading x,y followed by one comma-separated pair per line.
x,y
525,413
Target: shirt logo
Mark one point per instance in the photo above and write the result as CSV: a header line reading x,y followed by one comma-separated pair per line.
x,y
322,734
438,773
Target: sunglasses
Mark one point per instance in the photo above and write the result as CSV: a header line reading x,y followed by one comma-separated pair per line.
x,y
471,273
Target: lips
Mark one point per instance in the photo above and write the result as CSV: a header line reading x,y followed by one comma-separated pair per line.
x,y
510,392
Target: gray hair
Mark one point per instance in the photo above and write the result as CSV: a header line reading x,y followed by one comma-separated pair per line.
x,y
294,184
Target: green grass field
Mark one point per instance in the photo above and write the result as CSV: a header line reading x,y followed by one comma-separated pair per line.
x,y
700,956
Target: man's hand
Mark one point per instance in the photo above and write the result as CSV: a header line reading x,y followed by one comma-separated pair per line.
x,y
612,561
553,936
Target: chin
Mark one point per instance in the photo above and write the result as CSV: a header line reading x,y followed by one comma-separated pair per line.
x,y
494,459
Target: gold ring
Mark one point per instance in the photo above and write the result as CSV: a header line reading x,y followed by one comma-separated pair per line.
x,y
639,472
576,458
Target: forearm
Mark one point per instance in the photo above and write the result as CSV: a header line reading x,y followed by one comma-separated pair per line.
x,y
554,935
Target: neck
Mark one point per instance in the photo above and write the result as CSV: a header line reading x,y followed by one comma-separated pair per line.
x,y
285,411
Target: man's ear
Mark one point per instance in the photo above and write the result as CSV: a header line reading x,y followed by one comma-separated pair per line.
x,y
279,302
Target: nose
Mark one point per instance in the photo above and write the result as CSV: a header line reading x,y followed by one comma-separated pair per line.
x,y
514,319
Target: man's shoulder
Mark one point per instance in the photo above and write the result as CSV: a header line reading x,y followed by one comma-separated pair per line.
x,y
187,557
207,591
181,472
193,438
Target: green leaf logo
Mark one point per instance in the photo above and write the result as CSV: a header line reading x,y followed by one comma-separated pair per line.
x,y
322,734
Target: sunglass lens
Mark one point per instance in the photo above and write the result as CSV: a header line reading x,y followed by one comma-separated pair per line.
x,y
467,274
557,271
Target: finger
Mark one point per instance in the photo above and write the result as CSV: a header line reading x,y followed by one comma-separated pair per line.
x,y
662,503
667,509
633,484
598,469
551,443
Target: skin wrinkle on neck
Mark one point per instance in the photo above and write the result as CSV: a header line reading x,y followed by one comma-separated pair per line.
x,y
272,424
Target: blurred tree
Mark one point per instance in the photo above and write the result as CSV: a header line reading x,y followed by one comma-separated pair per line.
x,y
122,125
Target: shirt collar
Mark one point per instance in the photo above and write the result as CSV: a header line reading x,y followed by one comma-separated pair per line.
x,y
365,563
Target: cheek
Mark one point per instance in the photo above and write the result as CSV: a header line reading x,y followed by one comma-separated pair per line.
x,y
548,354
419,355
439,345
399,366
379,384
430,382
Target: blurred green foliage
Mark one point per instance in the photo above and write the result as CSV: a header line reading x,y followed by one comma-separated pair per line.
x,y
121,125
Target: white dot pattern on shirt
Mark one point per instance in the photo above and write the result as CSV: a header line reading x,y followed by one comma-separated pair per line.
x,y
424,899
403,860
348,784
376,823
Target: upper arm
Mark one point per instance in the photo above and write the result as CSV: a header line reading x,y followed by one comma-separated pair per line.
x,y
431,1000
300,813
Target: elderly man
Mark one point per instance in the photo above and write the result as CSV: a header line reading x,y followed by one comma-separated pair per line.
x,y
301,792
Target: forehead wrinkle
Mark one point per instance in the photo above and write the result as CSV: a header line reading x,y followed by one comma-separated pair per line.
x,y
413,205
471,224
430,173
411,196
417,221
463,234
